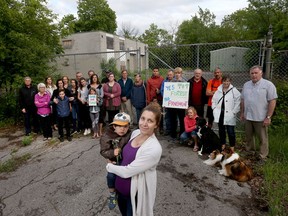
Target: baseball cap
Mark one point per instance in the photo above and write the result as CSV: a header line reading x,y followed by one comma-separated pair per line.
x,y
121,119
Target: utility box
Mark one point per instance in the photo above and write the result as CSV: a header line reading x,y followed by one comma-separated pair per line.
x,y
230,59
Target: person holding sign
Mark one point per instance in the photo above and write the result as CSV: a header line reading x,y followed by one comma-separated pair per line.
x,y
95,102
178,112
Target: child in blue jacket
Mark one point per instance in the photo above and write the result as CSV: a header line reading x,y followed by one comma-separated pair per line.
x,y
63,108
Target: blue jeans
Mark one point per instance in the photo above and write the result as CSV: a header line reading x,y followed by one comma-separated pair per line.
x,y
111,180
187,135
138,113
167,117
125,205
230,132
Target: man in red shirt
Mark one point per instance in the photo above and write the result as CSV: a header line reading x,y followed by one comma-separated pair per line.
x,y
154,86
212,86
197,92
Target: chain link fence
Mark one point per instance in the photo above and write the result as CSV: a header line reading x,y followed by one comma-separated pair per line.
x,y
280,66
132,60
234,58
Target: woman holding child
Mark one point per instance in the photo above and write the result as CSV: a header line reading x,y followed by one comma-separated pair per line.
x,y
136,176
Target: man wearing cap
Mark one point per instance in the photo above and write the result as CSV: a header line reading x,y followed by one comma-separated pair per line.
x,y
111,144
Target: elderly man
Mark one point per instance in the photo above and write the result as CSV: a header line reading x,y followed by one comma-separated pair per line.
x,y
258,101
197,92
27,105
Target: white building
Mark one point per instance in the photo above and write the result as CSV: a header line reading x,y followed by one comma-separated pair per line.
x,y
85,51
230,59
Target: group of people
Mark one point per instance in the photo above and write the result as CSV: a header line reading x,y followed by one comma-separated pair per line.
x,y
133,156
82,102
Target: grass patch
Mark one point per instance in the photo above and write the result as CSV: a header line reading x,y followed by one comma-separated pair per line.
x,y
13,163
4,123
275,172
27,140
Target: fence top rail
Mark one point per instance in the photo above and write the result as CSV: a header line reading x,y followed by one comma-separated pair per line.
x,y
93,53
199,44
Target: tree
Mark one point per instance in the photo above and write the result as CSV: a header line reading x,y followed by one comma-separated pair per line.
x,y
253,22
67,25
156,37
95,15
201,28
28,39
128,31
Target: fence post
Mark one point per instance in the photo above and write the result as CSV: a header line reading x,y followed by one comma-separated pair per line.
x,y
146,62
139,60
197,63
268,53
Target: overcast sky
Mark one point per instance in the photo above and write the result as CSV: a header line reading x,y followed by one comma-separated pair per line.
x,y
164,13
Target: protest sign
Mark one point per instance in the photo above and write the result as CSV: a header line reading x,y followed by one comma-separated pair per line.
x,y
176,95
92,100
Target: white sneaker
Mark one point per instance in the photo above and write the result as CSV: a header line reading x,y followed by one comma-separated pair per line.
x,y
88,131
85,132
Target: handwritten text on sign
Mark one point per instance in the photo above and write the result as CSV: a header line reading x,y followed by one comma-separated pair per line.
x,y
176,95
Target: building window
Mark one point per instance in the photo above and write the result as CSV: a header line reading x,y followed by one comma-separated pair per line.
x,y
121,45
67,44
110,43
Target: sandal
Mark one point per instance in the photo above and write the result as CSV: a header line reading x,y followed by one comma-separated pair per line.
x,y
195,149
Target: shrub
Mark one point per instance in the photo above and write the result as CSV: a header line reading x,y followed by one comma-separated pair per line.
x,y
27,140
280,117
13,163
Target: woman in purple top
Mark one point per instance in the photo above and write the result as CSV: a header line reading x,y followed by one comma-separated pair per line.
x,y
136,177
42,102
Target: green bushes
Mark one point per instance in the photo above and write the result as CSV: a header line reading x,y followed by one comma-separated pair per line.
x,y
280,117
275,172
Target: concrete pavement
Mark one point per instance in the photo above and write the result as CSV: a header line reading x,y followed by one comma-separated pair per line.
x,y
69,179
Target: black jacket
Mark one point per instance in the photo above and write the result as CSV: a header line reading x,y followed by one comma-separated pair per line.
x,y
26,97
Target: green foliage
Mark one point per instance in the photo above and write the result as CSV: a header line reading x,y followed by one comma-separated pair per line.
x,y
27,140
109,65
280,117
155,36
94,15
275,172
201,28
67,25
253,22
28,40
13,163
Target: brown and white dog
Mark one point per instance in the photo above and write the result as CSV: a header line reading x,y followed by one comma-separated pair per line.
x,y
231,164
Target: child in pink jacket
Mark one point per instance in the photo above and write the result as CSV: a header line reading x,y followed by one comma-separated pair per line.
x,y
190,128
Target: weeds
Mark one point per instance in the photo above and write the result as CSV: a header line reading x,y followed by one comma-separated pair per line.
x,y
275,172
27,140
13,163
